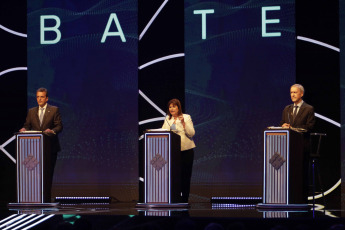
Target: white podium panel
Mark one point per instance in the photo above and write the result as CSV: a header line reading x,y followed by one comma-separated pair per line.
x,y
157,161
283,174
30,168
162,170
276,167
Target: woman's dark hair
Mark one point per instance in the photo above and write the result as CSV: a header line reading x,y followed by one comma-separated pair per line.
x,y
177,103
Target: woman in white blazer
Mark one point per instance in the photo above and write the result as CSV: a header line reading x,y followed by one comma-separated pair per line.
x,y
182,124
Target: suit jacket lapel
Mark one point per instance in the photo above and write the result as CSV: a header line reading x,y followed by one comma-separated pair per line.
x,y
36,116
290,114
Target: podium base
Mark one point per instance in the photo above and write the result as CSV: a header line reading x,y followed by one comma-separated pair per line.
x,y
266,207
31,205
162,205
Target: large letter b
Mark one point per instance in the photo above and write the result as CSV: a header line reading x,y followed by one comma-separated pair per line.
x,y
53,29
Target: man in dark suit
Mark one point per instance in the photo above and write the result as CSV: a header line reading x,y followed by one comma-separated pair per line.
x,y
45,118
299,114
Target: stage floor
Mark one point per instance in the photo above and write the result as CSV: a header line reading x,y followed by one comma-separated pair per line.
x,y
197,216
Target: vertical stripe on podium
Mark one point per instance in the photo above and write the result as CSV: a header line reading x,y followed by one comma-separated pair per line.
x,y
276,181
29,168
157,181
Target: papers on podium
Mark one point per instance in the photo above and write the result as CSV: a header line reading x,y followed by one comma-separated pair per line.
x,y
31,131
158,130
276,127
300,130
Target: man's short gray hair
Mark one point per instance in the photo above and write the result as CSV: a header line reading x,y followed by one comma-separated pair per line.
x,y
298,86
44,90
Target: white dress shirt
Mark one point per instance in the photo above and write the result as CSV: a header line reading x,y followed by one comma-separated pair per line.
x,y
298,108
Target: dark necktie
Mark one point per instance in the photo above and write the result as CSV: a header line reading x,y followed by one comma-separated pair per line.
x,y
295,112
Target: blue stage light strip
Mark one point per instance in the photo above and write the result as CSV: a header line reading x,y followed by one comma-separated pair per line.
x,y
83,199
237,200
233,206
83,203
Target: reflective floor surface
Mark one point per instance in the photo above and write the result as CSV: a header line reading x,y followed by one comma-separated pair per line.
x,y
197,216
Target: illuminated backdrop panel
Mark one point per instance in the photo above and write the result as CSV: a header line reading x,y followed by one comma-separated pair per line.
x,y
85,53
240,63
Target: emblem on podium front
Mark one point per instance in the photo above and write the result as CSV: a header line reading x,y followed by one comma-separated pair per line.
x,y
277,161
30,162
158,162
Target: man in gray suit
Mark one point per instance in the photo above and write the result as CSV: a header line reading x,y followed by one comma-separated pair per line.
x,y
45,118
299,114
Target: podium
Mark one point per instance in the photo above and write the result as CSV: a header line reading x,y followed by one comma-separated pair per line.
x,y
162,170
33,170
284,176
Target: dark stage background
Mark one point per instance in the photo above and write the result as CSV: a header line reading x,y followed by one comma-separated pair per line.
x,y
233,83
342,92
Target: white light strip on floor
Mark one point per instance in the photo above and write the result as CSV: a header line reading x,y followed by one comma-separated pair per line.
x,y
13,220
18,222
7,218
320,208
38,222
28,222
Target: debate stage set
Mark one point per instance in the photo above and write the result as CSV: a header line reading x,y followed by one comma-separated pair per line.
x,y
111,67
